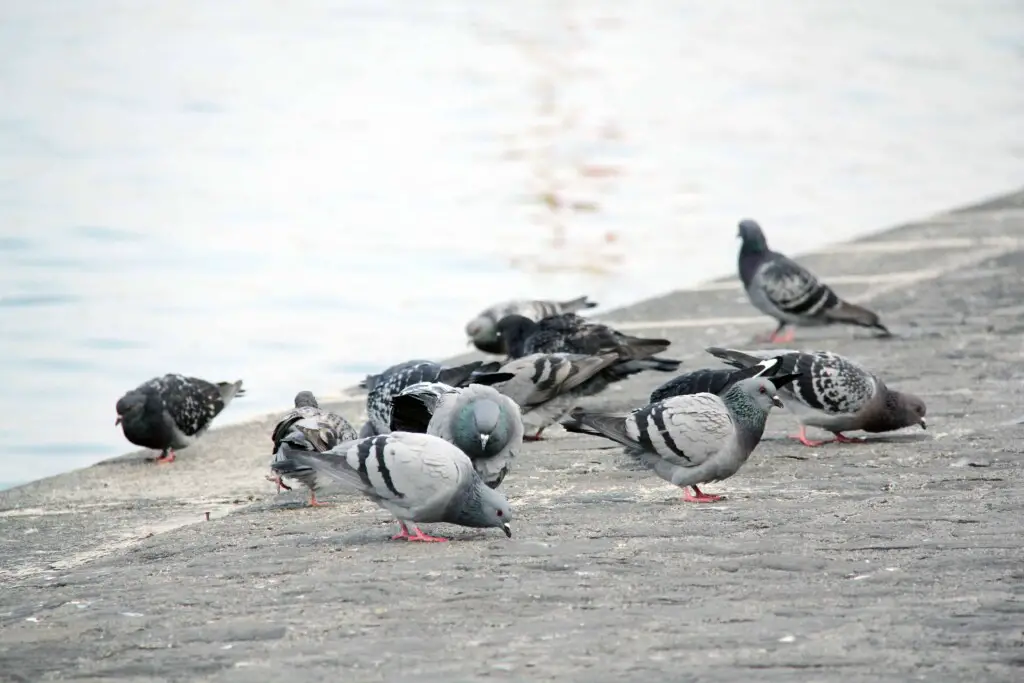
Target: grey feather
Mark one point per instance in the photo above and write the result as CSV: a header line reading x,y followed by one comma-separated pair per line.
x,y
692,439
417,477
834,392
547,386
480,421
483,329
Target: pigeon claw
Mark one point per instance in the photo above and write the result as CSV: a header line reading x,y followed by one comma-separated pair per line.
x,y
840,438
699,496
535,437
314,503
785,338
415,535
165,458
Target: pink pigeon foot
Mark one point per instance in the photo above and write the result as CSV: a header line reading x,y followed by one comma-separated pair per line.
x,y
840,438
699,496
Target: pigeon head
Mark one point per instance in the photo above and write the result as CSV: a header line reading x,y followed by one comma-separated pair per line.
x,y
752,236
482,507
481,428
130,406
753,396
481,328
306,399
513,331
900,410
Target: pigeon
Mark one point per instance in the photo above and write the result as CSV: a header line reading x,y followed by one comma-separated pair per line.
x,y
484,424
384,386
546,386
172,412
713,380
835,393
692,439
416,477
788,292
483,329
569,333
323,431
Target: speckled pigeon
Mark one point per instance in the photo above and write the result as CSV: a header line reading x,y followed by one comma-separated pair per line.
x,y
834,393
322,429
172,412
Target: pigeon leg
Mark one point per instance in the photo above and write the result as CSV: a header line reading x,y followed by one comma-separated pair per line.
x,y
166,457
840,438
280,484
699,496
404,533
420,536
314,503
535,437
777,338
802,438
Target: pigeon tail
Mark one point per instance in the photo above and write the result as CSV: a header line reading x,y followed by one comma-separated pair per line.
x,y
490,378
735,358
636,348
330,466
610,426
229,390
853,314
577,304
456,376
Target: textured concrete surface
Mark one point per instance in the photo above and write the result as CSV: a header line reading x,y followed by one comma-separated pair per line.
x,y
901,559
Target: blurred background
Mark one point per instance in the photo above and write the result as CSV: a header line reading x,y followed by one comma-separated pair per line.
x,y
299,193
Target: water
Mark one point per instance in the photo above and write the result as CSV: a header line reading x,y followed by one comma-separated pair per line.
x,y
299,193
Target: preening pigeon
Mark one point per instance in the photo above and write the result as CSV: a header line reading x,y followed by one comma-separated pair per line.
x,y
713,380
322,429
483,329
384,386
418,478
172,412
692,439
482,423
788,292
834,393
546,386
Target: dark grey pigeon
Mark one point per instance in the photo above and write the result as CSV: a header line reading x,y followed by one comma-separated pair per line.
x,y
416,477
783,289
483,329
322,429
388,384
692,439
834,393
172,412
713,380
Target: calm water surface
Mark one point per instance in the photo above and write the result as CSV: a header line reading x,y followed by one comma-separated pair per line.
x,y
298,193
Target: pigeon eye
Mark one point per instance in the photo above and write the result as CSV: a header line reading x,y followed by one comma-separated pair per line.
x,y
500,513
763,390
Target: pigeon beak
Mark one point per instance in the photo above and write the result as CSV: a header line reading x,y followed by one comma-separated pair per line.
x,y
507,529
483,441
777,402
924,425
117,421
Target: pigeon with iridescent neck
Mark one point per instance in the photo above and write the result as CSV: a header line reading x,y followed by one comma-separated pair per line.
x,y
484,424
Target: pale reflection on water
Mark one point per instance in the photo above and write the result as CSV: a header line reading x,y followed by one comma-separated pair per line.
x,y
299,193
